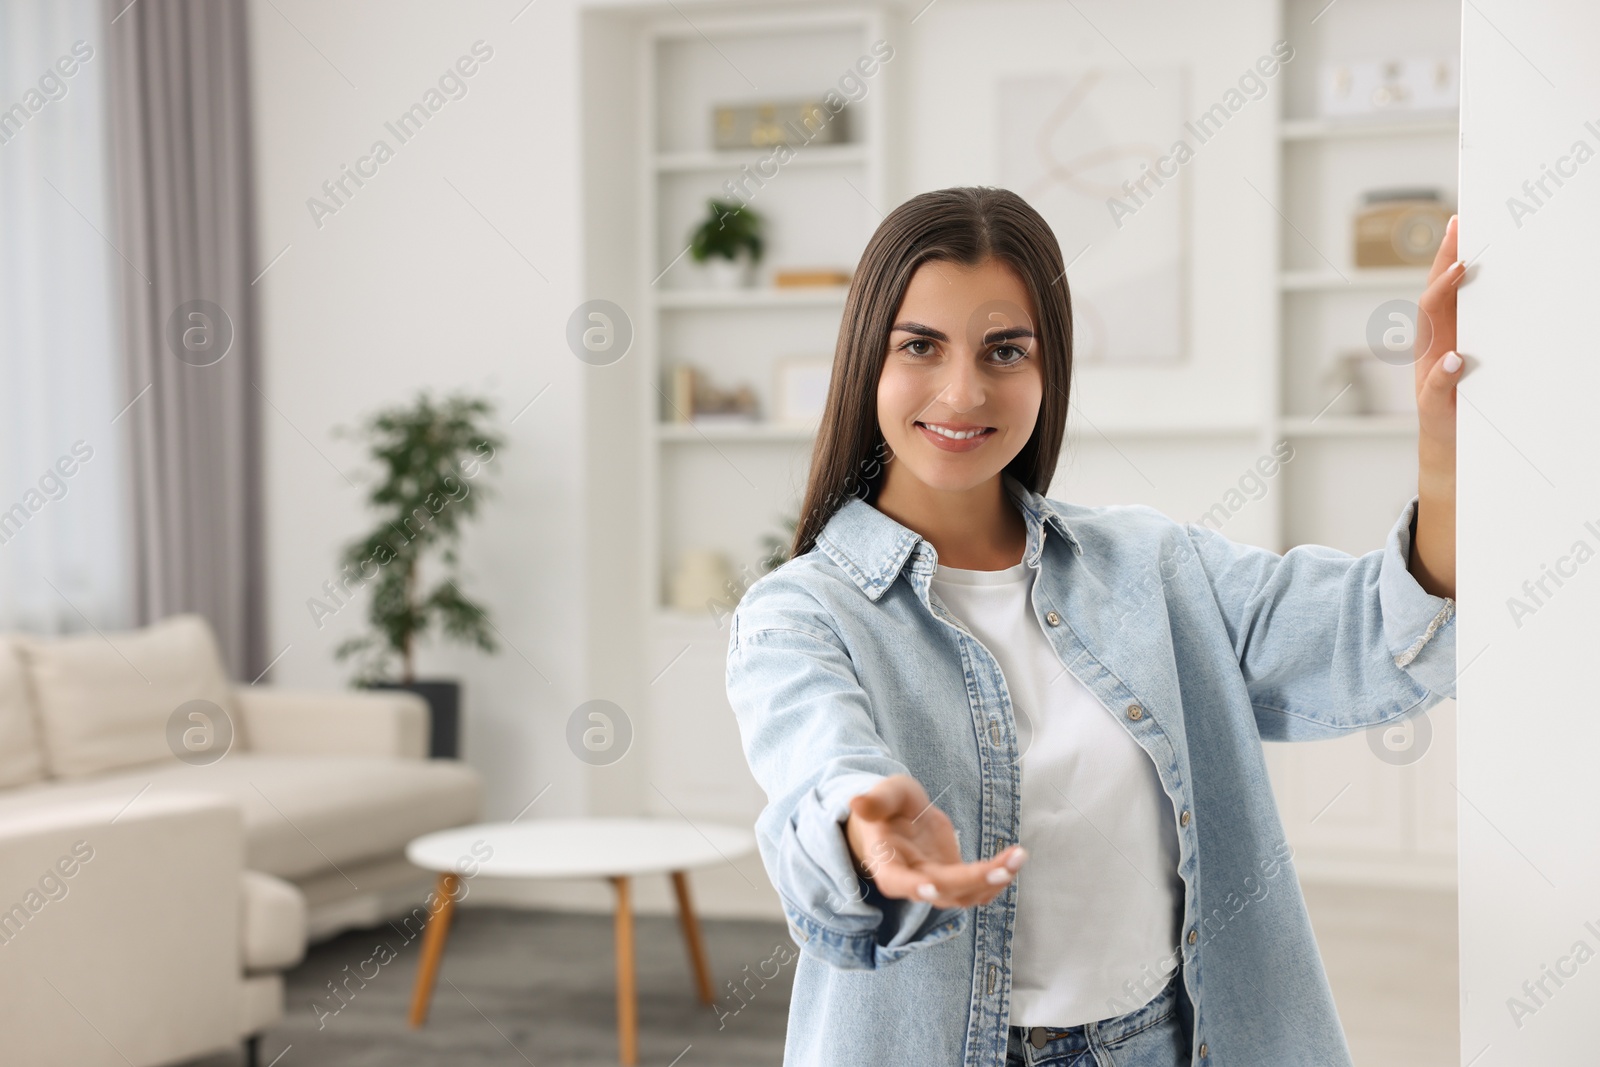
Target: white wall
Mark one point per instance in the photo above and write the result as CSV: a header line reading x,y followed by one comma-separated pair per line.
x,y
408,285
1530,871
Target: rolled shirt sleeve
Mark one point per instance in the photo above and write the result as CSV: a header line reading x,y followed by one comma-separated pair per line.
x,y
807,732
1328,642
1419,627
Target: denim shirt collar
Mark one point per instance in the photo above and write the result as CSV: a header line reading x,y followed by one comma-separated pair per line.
x,y
873,548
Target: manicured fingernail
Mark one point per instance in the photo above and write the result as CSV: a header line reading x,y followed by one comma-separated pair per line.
x,y
999,876
1452,362
1017,858
926,891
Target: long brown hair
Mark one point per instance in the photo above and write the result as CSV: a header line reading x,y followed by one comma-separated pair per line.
x,y
962,225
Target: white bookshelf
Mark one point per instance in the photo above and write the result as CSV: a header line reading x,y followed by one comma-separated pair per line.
x,y
723,485
755,297
1351,816
713,433
1400,280
1349,426
727,161
1325,129
719,484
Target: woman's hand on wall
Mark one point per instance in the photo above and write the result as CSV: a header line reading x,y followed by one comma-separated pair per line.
x,y
1438,369
1436,372
908,848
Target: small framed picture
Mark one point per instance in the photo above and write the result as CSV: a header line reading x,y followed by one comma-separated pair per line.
x,y
800,390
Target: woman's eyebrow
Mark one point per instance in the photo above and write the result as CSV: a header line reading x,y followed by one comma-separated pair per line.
x,y
919,329
1010,333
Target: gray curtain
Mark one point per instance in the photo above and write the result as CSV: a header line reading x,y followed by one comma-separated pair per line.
x,y
181,188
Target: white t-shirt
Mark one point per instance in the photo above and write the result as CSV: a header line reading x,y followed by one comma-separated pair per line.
x,y
1099,902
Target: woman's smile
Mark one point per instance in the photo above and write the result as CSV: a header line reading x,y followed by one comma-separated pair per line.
x,y
956,436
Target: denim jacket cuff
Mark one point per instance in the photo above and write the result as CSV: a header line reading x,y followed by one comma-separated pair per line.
x,y
841,917
1418,627
920,925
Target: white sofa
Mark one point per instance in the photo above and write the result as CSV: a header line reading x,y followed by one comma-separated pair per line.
x,y
148,905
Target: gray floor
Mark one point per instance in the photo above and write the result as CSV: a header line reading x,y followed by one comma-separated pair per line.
x,y
537,988
521,987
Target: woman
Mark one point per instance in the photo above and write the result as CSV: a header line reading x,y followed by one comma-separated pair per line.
x,y
1018,811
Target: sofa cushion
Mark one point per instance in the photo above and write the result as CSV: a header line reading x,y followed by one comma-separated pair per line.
x,y
21,758
303,815
273,933
104,701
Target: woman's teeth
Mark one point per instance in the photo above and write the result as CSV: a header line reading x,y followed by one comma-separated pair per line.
x,y
961,435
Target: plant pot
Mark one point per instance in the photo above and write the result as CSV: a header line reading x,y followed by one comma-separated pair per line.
x,y
726,274
444,719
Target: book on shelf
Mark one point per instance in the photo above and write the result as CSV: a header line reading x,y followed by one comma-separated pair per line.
x,y
801,279
683,393
693,397
727,418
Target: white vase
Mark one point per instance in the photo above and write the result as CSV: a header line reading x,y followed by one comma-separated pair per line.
x,y
1345,380
724,274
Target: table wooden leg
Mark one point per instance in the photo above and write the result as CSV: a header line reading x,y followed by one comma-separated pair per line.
x,y
433,937
627,1003
691,936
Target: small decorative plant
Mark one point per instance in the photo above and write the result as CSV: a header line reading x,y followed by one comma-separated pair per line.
x,y
730,230
429,452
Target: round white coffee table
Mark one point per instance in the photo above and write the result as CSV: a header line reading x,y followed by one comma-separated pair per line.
x,y
614,849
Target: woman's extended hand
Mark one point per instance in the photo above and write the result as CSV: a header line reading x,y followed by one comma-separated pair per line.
x,y
908,848
1438,369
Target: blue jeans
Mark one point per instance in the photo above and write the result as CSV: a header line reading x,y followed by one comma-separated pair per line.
x,y
1154,1035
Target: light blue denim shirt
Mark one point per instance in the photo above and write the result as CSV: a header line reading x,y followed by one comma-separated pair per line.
x,y
843,667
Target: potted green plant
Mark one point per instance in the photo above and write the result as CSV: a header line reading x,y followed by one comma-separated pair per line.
x,y
728,243
430,454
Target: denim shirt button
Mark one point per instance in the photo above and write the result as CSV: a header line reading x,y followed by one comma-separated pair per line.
x,y
1183,820
1052,618
1203,1050
1135,712
1194,935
